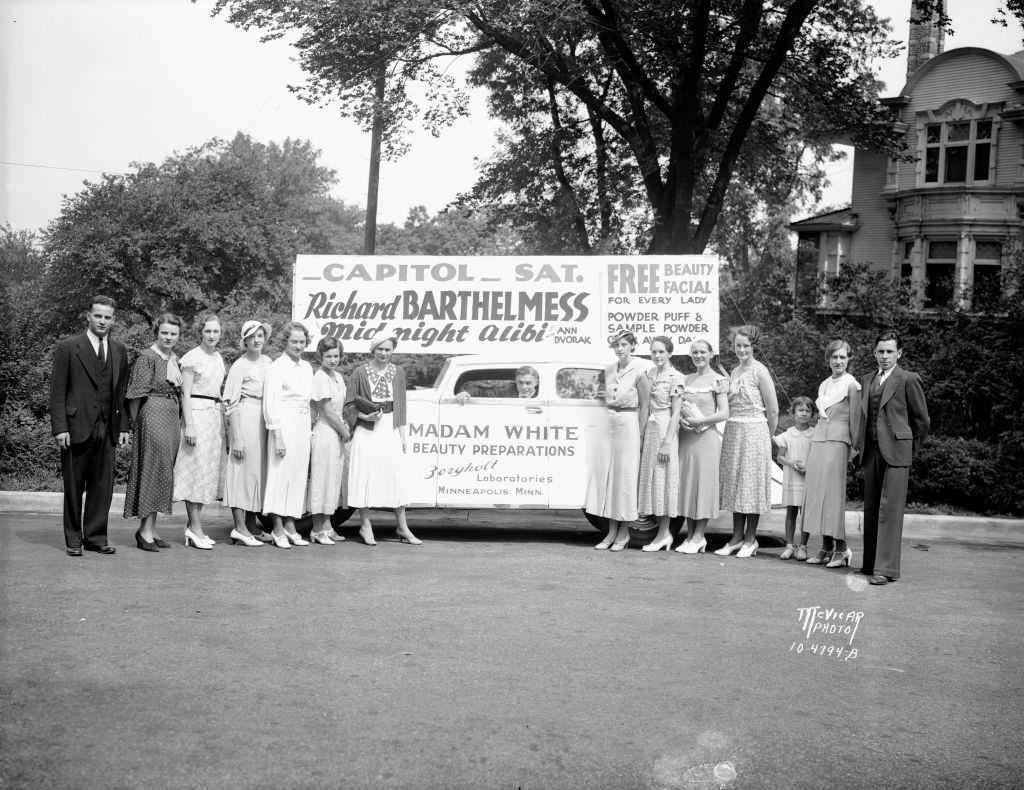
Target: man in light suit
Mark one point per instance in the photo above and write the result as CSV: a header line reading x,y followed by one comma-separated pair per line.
x,y
892,424
525,386
88,419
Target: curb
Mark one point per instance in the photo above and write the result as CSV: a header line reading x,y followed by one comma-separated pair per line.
x,y
963,529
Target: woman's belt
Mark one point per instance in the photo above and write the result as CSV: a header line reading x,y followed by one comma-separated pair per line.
x,y
748,419
207,397
257,398
611,407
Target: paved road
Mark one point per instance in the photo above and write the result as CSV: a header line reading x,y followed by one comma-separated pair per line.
x,y
500,657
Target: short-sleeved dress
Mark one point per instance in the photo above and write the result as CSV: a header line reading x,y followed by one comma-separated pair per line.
x,y
243,396
659,482
155,438
286,397
825,502
377,475
199,468
614,462
327,454
700,453
745,473
797,445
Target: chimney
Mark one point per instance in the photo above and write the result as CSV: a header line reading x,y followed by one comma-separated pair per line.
x,y
927,35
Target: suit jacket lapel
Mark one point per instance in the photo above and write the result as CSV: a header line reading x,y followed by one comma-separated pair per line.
x,y
865,386
90,361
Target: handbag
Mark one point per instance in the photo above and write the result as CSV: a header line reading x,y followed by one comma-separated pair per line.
x,y
364,406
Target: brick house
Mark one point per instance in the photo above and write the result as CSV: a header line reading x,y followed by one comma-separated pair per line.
x,y
945,221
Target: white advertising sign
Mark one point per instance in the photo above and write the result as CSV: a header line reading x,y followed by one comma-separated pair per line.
x,y
476,304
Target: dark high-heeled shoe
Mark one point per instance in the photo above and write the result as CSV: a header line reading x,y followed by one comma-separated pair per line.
x,y
145,545
161,544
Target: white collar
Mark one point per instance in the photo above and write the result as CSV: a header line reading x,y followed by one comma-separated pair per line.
x,y
95,340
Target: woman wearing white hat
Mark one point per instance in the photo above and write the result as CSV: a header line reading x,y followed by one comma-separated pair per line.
x,y
247,434
377,476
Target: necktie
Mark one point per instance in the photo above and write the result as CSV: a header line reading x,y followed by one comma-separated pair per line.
x,y
878,381
100,354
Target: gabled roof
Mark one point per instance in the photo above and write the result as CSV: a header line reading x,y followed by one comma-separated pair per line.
x,y
840,219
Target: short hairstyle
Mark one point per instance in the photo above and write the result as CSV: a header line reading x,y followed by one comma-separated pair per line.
x,y
749,331
834,346
803,400
665,341
325,345
205,319
707,343
295,326
106,301
886,335
165,318
528,370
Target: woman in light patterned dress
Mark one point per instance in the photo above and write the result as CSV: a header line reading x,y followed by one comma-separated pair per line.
x,y
247,433
659,459
745,475
330,433
700,444
199,468
286,397
377,473
615,456
153,392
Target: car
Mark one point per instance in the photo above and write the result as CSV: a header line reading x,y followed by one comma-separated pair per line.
x,y
498,450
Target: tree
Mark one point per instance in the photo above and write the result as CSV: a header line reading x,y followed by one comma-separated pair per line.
x,y
680,86
197,230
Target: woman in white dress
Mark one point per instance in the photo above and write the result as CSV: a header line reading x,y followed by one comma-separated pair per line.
x,y
247,433
286,397
330,432
615,456
199,467
377,474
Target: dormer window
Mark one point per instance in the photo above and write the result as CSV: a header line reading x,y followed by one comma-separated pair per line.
x,y
958,152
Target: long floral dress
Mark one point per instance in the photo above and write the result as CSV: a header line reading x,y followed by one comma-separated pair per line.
x,y
155,437
659,482
745,476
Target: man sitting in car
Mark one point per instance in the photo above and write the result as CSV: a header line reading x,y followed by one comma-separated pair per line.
x,y
525,386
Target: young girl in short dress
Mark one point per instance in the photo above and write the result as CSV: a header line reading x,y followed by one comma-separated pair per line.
x,y
794,446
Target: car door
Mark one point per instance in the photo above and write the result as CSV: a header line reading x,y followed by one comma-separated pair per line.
x,y
575,417
491,449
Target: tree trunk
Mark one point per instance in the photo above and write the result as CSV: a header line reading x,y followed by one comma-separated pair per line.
x,y
377,133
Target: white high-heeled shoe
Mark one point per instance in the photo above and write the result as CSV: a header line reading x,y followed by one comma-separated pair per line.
x,y
606,543
296,539
321,538
658,545
748,550
245,540
406,536
728,549
281,541
692,547
192,539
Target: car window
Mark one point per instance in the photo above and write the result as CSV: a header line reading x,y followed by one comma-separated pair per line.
x,y
489,383
579,383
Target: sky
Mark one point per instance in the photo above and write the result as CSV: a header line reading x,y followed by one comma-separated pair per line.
x,y
90,86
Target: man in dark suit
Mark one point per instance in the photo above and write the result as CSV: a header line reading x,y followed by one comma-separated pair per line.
x,y
88,419
892,424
